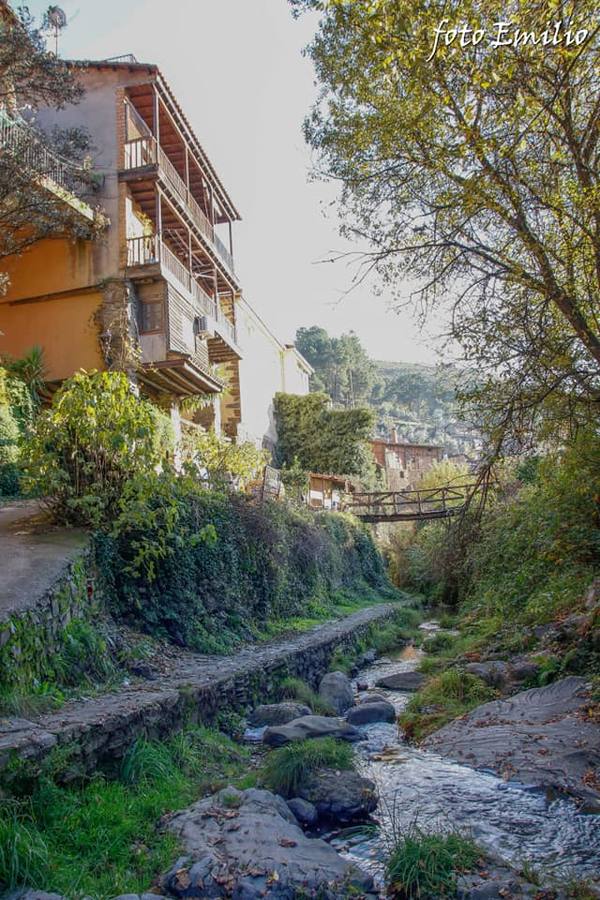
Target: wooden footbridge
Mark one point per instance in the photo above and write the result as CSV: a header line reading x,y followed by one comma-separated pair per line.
x,y
410,506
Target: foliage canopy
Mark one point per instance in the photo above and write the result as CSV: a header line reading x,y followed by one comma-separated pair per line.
x,y
32,77
475,171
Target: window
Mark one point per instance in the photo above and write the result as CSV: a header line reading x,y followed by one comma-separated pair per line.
x,y
151,317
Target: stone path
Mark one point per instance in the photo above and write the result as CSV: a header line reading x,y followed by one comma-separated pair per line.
x,y
101,729
34,555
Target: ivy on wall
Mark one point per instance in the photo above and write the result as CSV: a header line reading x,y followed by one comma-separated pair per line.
x,y
205,568
321,439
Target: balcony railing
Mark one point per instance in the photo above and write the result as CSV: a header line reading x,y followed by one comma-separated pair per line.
x,y
19,138
145,151
149,250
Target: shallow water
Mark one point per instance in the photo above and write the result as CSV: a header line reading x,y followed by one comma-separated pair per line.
x,y
512,821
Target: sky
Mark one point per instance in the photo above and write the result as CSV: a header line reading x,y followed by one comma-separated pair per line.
x,y
237,68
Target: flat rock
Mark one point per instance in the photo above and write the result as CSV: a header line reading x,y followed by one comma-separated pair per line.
x,y
336,689
375,711
540,737
310,727
402,681
341,797
304,811
234,850
277,713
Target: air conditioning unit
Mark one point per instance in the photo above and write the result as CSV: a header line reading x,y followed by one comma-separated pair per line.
x,y
202,327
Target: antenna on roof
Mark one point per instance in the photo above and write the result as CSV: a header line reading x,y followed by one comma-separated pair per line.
x,y
55,20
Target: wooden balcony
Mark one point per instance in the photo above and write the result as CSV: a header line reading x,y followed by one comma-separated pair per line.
x,y
146,157
149,257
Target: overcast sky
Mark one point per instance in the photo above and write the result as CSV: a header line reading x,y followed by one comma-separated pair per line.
x,y
237,68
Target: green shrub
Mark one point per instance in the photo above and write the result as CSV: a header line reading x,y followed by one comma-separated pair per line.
x,y
207,569
96,436
531,558
445,697
287,768
315,438
296,689
425,866
83,656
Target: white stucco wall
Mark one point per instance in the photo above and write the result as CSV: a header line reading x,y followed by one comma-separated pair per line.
x,y
267,367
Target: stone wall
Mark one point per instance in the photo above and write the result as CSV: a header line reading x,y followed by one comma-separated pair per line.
x,y
29,638
96,733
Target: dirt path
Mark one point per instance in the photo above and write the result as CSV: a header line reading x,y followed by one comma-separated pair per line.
x,y
33,555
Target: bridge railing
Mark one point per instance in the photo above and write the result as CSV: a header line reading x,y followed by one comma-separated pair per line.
x,y
429,503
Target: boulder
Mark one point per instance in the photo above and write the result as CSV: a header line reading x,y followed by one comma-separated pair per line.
x,y
368,658
375,711
310,727
402,681
340,797
495,672
304,811
141,897
255,849
542,737
277,713
524,670
336,690
372,698
32,894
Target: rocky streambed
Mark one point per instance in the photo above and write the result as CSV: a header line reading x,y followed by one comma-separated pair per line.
x,y
513,775
515,820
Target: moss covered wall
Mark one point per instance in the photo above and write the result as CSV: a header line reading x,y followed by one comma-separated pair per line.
x,y
29,639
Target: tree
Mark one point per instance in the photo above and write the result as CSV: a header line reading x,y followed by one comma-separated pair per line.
x,y
474,168
315,438
32,77
342,367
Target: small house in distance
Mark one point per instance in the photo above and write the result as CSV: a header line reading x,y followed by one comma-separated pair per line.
x,y
327,491
402,465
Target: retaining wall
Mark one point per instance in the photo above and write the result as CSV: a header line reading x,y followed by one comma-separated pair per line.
x,y
98,732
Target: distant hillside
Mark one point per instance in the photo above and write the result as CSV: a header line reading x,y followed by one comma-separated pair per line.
x,y
419,401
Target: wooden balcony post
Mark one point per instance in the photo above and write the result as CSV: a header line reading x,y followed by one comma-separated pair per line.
x,y
158,214
187,173
231,238
155,115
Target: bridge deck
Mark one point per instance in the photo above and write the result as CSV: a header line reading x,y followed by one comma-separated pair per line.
x,y
409,505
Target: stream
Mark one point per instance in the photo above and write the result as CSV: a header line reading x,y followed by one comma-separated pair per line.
x,y
508,819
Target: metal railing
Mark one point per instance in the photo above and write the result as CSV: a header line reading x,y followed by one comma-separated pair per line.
x,y
150,249
145,151
33,154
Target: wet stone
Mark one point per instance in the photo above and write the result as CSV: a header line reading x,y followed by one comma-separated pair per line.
x,y
402,681
310,727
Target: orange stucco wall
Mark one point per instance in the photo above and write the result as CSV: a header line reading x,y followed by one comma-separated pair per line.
x,y
51,266
63,327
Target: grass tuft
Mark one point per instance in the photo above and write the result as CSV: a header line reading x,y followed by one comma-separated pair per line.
x,y
296,689
425,866
445,697
287,768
